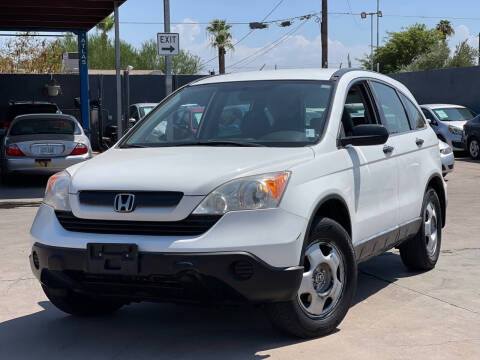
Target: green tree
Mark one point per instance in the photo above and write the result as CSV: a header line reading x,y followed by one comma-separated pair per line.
x,y
464,55
105,27
401,48
435,58
220,38
445,27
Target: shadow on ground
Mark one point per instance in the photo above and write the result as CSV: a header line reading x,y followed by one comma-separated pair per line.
x,y
164,331
23,187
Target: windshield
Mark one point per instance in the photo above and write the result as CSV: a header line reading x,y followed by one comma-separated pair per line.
x,y
454,114
145,110
258,113
44,126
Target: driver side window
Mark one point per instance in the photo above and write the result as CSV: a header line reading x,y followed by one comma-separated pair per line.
x,y
357,110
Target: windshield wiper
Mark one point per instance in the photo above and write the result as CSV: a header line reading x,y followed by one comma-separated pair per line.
x,y
133,146
219,143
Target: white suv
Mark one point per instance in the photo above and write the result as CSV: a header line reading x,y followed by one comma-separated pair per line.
x,y
290,180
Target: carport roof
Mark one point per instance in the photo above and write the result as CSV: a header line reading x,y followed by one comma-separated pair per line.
x,y
53,15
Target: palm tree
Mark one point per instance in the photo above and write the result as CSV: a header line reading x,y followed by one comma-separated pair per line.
x,y
445,27
221,39
105,26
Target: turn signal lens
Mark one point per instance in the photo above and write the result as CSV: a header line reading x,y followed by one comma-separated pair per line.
x,y
14,150
80,149
277,184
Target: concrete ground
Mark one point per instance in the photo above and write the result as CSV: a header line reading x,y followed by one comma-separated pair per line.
x,y
396,315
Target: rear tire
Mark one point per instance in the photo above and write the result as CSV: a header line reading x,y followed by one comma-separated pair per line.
x,y
80,305
422,251
473,148
325,295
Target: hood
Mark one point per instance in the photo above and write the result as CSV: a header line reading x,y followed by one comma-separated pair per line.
x,y
191,170
457,124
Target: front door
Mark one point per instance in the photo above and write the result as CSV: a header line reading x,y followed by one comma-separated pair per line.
x,y
375,173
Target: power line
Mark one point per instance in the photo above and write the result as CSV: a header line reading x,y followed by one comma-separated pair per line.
x,y
267,48
247,34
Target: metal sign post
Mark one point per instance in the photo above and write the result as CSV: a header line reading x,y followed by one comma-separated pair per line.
x,y
168,59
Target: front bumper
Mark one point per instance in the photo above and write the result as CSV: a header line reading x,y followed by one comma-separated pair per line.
x,y
448,162
223,277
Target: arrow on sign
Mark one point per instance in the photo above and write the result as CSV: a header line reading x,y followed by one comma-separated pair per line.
x,y
171,48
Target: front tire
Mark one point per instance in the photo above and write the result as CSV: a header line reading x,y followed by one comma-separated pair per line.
x,y
80,305
327,288
473,148
422,251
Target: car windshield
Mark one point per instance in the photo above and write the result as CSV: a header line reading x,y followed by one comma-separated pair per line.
x,y
44,126
145,110
250,113
454,114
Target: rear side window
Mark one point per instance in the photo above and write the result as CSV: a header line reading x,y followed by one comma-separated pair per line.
x,y
394,119
43,126
24,109
416,119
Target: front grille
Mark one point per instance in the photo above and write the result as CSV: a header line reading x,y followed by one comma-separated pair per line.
x,y
192,225
142,198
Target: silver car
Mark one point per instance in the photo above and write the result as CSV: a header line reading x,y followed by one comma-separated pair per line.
x,y
43,144
447,121
446,155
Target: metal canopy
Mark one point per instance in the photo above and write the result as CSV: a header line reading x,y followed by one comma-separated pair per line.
x,y
54,15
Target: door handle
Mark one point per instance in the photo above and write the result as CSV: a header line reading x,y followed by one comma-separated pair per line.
x,y
419,142
387,149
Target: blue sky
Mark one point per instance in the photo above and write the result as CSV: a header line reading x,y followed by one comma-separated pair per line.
x,y
348,34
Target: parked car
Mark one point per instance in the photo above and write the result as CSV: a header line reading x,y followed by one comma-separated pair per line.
x,y
16,108
139,111
446,154
43,144
471,137
447,121
274,211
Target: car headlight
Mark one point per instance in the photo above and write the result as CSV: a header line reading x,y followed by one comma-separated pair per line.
x,y
56,193
455,131
248,193
446,150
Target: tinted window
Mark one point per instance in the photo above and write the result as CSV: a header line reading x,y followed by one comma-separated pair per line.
x,y
454,114
357,110
395,119
133,113
416,118
43,126
271,113
24,109
428,114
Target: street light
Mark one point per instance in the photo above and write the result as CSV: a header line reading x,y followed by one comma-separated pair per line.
x,y
364,15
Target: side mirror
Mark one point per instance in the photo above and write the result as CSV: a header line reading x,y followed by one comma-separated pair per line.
x,y
132,121
432,122
364,135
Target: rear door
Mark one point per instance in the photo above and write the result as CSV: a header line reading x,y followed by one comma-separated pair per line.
x,y
407,142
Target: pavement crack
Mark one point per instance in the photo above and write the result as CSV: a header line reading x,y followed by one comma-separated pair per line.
x,y
17,280
417,291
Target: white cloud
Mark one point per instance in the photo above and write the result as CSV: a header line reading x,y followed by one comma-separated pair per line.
x,y
462,32
293,51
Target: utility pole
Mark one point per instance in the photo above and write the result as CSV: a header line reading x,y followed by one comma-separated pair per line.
x,y
324,31
378,22
168,59
364,15
478,49
117,72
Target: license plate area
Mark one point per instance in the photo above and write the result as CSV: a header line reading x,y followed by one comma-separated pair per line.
x,y
43,163
47,149
112,259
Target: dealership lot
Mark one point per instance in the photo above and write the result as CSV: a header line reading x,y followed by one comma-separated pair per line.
x,y
396,314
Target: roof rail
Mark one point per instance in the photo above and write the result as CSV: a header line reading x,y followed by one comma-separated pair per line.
x,y
340,72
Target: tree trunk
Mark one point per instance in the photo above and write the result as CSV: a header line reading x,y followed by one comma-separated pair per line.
x,y
324,31
221,60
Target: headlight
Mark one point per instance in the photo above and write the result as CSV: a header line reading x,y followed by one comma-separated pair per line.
x,y
455,131
248,193
446,150
56,194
